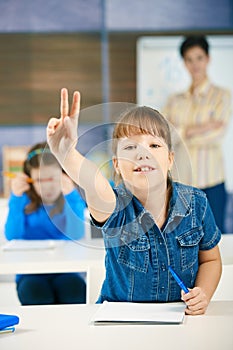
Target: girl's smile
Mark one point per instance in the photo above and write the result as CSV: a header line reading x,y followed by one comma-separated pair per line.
x,y
144,169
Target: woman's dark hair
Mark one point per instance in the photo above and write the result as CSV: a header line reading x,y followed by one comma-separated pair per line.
x,y
192,41
37,155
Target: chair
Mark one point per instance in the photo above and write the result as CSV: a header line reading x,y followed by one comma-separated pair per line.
x,y
13,158
224,290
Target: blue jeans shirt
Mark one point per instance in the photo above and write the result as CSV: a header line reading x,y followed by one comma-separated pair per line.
x,y
138,253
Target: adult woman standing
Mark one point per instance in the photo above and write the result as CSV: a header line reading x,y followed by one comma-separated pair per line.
x,y
201,115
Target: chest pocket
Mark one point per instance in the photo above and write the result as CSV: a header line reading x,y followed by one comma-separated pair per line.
x,y
189,247
134,252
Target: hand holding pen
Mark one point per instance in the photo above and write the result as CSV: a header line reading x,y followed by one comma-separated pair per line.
x,y
196,301
14,175
20,182
195,298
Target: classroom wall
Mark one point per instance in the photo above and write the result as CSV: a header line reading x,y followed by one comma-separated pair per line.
x,y
104,31
115,15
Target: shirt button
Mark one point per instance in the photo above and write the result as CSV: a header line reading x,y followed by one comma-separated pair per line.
x,y
163,267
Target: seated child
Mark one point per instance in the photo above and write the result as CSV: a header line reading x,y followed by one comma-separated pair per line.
x,y
149,222
45,204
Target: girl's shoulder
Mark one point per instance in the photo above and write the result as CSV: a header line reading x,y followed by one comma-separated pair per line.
x,y
188,190
188,199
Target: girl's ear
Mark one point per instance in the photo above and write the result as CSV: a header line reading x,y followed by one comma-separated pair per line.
x,y
115,164
171,160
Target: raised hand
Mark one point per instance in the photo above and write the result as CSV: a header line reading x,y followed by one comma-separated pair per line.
x,y
62,134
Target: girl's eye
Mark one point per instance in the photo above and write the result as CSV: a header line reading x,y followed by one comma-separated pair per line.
x,y
129,147
155,145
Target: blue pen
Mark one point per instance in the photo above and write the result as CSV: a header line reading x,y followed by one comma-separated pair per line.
x,y
178,280
7,330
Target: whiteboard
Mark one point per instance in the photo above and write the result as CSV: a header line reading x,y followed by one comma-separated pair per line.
x,y
161,72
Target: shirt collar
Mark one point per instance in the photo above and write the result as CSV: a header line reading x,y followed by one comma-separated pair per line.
x,y
180,203
200,90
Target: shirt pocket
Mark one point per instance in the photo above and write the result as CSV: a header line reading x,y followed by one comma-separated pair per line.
x,y
134,252
189,247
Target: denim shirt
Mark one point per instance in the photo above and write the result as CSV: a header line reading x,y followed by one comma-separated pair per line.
x,y
138,253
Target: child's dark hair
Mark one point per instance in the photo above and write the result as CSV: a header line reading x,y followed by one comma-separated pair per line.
x,y
37,155
192,41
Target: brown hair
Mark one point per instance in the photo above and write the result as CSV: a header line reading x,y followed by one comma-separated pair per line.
x,y
37,155
141,120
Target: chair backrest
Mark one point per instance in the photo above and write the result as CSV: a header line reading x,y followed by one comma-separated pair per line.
x,y
12,158
96,277
224,290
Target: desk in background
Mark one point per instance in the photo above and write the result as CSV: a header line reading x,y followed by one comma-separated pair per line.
x,y
87,255
68,326
79,256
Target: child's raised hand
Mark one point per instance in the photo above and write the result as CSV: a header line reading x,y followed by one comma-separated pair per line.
x,y
20,184
196,301
62,132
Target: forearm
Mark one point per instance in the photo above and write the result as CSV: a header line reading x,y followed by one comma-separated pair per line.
x,y
205,133
208,277
99,194
215,127
83,172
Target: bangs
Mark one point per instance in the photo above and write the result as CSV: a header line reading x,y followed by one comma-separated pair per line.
x,y
136,126
142,121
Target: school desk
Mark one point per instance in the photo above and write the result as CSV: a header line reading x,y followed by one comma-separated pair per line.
x,y
79,256
68,327
87,255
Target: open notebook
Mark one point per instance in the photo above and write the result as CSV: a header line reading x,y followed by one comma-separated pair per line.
x,y
139,313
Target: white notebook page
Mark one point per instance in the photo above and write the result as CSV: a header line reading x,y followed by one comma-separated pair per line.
x,y
152,313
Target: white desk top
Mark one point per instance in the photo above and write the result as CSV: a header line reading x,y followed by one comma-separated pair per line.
x,y
67,257
68,327
74,256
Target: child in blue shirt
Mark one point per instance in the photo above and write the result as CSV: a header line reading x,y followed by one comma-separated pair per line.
x,y
149,222
45,204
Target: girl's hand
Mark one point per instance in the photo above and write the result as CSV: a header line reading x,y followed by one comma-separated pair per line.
x,y
62,134
20,184
67,184
196,301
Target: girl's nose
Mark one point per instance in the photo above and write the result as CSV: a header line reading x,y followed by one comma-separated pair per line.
x,y
143,154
